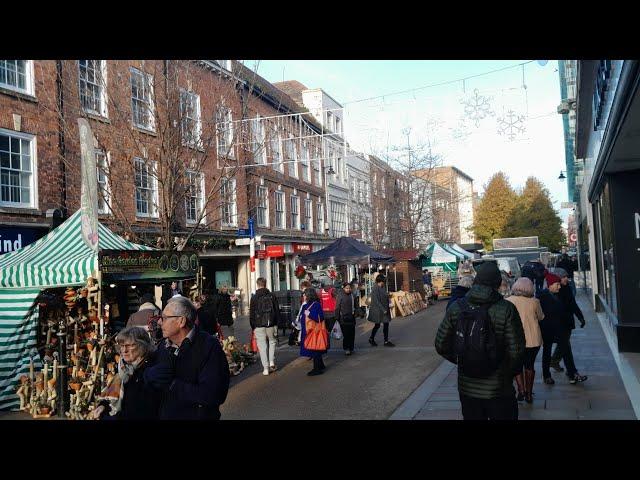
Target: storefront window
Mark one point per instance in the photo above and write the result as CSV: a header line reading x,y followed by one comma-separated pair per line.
x,y
606,251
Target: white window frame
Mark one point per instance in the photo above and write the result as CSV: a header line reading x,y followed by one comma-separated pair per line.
x,y
262,204
228,197
295,210
281,215
104,193
292,157
329,121
33,180
29,79
147,80
338,126
277,163
259,140
192,138
319,172
305,163
151,167
199,197
224,117
320,217
308,215
102,88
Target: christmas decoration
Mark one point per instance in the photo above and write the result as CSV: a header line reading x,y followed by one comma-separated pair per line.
x,y
477,107
511,125
300,272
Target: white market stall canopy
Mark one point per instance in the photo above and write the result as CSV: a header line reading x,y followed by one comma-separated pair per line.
x,y
457,248
437,255
60,259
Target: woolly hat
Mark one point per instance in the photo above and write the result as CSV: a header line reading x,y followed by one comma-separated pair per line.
x,y
487,273
561,272
551,278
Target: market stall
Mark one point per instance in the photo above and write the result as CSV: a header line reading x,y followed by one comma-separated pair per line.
x,y
437,256
458,249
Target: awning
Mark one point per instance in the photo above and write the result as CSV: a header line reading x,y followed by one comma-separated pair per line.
x,y
59,259
462,251
345,251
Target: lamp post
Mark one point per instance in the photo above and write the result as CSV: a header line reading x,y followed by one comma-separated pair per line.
x,y
561,177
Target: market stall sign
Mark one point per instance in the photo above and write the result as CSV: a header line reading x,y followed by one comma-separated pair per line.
x,y
301,247
274,251
261,254
148,265
15,238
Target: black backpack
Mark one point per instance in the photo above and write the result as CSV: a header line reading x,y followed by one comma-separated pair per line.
x,y
475,341
265,312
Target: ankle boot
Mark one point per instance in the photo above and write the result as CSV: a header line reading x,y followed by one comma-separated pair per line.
x,y
521,388
530,376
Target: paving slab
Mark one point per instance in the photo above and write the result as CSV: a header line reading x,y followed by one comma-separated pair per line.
x,y
446,405
455,414
607,414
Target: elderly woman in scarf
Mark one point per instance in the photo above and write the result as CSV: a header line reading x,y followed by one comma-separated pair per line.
x,y
128,397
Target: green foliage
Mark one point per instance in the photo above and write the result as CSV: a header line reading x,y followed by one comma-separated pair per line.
x,y
534,215
493,210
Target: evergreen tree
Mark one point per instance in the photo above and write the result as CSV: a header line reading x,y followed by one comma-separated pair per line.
x,y
493,210
535,216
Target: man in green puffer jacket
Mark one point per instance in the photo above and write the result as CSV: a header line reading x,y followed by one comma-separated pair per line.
x,y
491,398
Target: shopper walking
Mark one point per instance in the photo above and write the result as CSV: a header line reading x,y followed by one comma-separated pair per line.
x,y
328,300
534,270
569,266
464,285
379,311
485,381
206,314
224,310
530,311
311,315
346,316
191,369
146,310
264,312
294,337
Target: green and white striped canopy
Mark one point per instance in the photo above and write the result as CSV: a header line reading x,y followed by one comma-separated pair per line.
x,y
60,259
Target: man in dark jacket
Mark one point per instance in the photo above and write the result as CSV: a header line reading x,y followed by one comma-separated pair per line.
x,y
224,310
345,315
493,397
264,313
207,317
572,310
460,290
569,266
534,270
191,369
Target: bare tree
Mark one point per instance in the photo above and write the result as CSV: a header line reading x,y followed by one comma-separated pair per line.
x,y
167,137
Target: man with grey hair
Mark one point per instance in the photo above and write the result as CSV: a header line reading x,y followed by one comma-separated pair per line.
x,y
191,369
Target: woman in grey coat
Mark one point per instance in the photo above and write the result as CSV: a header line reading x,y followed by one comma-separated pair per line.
x,y
379,311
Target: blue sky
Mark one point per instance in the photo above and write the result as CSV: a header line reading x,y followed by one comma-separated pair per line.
x,y
437,114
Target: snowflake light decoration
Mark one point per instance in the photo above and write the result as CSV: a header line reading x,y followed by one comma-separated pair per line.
x,y
477,107
511,125
461,131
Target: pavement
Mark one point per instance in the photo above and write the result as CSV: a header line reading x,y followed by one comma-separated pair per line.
x,y
609,393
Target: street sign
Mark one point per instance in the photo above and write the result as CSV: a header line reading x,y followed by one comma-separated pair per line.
x,y
274,251
301,247
261,254
244,232
568,205
251,230
573,237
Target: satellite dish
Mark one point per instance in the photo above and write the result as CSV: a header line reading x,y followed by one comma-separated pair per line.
x,y
542,63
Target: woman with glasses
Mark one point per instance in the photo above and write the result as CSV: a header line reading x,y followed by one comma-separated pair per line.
x,y
136,399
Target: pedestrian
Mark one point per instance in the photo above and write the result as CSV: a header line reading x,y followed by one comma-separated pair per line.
x,y
534,270
311,312
379,311
504,289
530,311
328,300
263,317
485,393
345,314
224,310
206,314
464,285
569,266
556,328
191,368
294,337
136,398
170,292
573,310
146,310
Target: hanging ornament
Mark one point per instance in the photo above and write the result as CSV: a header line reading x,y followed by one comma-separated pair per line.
x,y
461,132
511,125
477,107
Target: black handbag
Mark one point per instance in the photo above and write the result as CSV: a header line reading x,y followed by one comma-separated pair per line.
x,y
293,337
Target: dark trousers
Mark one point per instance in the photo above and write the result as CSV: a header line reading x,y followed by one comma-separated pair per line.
x,y
564,351
385,330
502,408
348,327
329,320
318,363
547,345
530,355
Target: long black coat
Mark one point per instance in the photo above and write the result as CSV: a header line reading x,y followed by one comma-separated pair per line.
x,y
571,307
141,401
195,382
556,315
224,309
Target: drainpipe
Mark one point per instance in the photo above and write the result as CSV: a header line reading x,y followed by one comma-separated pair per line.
x,y
61,136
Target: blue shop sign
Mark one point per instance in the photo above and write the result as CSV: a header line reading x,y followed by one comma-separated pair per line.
x,y
15,238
